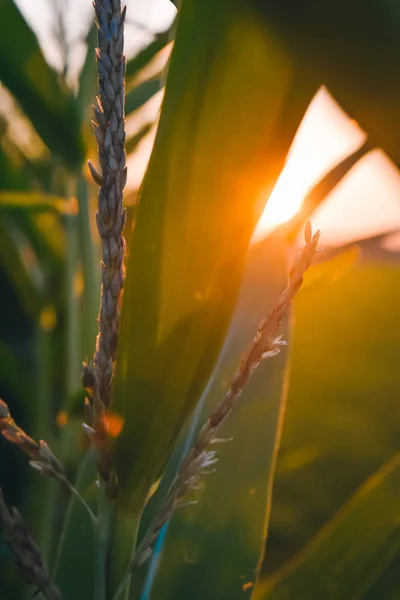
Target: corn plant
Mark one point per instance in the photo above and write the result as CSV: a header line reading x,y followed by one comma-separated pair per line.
x,y
163,323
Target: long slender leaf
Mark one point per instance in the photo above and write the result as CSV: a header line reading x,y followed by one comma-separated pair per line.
x,y
208,178
197,212
212,549
351,51
343,387
324,187
73,555
347,556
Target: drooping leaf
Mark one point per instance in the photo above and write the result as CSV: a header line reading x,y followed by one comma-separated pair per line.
x,y
351,51
324,187
24,71
199,204
212,549
347,557
214,160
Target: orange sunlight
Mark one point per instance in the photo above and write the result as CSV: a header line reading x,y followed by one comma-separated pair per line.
x,y
325,136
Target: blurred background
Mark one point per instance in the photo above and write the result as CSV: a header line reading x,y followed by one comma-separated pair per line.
x,y
343,414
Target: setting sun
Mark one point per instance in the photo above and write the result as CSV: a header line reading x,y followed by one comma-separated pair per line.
x,y
325,136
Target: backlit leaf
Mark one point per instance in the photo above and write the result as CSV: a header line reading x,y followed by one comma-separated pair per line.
x,y
349,554
214,160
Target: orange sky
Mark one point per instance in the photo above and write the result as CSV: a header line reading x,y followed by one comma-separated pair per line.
x,y
365,203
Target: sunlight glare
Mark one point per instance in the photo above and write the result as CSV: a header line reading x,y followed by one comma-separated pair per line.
x,y
325,136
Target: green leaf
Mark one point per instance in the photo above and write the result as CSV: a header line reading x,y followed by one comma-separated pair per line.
x,y
350,553
212,549
75,546
214,161
222,537
140,94
199,204
343,386
327,44
24,71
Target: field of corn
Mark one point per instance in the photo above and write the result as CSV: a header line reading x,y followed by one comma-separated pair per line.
x,y
189,410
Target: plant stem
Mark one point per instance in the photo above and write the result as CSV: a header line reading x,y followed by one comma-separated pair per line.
x,y
73,354
102,541
78,485
90,269
83,502
44,499
72,381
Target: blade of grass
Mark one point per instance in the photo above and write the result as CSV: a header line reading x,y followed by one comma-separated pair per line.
x,y
350,553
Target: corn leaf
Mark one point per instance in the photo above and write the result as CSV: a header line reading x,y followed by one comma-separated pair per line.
x,y
199,205
354,58
24,71
213,162
350,553
75,547
311,479
343,386
212,549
